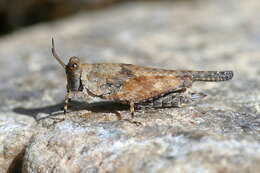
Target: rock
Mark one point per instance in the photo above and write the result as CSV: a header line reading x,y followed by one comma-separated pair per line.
x,y
15,133
218,134
120,146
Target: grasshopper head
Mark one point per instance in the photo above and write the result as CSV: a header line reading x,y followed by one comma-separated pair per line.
x,y
74,65
73,70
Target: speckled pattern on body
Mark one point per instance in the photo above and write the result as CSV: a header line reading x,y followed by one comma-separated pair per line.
x,y
130,84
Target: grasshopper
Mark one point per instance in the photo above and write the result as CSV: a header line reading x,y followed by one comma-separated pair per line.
x,y
135,85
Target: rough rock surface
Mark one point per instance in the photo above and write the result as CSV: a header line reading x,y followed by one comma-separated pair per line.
x,y
15,133
219,134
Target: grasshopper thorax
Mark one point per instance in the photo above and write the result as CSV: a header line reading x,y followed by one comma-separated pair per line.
x,y
73,72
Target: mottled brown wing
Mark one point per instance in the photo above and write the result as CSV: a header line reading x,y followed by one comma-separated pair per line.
x,y
144,87
102,80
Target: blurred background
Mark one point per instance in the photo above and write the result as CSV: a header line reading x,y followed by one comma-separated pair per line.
x,y
16,14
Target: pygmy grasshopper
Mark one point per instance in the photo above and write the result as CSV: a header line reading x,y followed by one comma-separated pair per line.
x,y
135,85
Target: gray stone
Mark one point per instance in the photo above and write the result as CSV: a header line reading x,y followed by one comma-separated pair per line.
x,y
120,146
218,134
15,133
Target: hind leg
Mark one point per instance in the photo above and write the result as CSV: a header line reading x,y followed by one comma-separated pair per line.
x,y
186,98
173,99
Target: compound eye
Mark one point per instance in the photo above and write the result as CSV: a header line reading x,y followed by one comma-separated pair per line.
x,y
74,65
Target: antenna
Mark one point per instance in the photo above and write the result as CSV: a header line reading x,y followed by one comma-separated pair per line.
x,y
55,55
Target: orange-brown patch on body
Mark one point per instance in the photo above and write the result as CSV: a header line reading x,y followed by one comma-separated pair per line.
x,y
145,87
